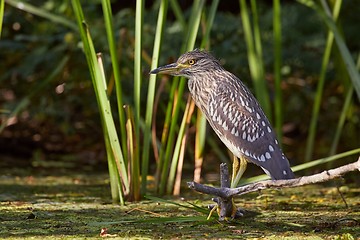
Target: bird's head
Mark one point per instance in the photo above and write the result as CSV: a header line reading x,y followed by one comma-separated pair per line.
x,y
190,64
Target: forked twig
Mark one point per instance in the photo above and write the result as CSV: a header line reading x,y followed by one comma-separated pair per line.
x,y
225,193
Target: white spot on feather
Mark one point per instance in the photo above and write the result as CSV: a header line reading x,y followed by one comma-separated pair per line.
x,y
225,126
219,120
271,148
247,153
258,116
269,129
244,135
226,107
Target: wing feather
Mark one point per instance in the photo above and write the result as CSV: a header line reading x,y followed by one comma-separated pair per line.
x,y
241,124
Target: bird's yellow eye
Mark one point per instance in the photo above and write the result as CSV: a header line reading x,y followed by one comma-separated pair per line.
x,y
191,62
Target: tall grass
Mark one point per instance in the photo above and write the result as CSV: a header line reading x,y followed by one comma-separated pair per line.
x,y
116,161
116,70
151,93
128,148
320,86
200,135
2,6
173,108
330,20
254,52
344,112
277,36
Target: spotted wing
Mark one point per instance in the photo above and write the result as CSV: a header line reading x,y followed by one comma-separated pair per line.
x,y
235,115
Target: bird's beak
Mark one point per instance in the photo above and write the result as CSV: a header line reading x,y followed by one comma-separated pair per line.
x,y
172,69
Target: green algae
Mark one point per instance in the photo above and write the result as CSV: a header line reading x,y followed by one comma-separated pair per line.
x,y
79,207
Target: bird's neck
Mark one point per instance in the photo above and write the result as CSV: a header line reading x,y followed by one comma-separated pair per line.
x,y
200,86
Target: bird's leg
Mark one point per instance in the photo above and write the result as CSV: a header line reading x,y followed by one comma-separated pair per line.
x,y
213,208
226,207
239,167
235,169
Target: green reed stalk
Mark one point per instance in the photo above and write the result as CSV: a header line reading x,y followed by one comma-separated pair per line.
x,y
113,149
116,70
320,87
253,42
151,93
178,13
189,45
133,160
278,108
177,149
344,111
138,73
344,51
2,6
200,135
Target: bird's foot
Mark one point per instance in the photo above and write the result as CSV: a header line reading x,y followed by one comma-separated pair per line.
x,y
226,209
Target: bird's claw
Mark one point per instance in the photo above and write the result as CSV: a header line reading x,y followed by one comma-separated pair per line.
x,y
224,212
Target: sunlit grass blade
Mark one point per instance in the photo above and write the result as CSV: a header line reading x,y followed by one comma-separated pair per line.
x,y
200,137
2,5
115,179
277,35
191,207
306,165
133,160
24,6
255,58
138,72
179,171
165,131
179,144
99,85
320,87
151,94
116,190
116,70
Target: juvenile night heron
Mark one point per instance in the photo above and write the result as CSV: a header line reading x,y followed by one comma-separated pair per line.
x,y
233,113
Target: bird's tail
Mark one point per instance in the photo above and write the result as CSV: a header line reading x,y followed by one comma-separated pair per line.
x,y
279,168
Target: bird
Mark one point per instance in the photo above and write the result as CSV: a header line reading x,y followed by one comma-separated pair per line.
x,y
233,113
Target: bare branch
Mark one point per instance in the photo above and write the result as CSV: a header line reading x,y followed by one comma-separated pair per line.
x,y
225,192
